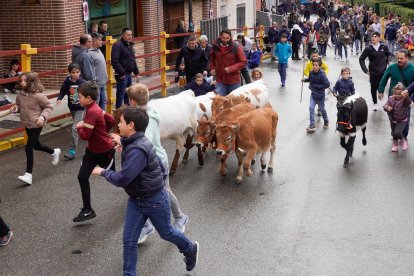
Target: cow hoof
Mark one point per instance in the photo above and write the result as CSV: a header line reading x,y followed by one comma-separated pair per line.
x,y
172,173
263,166
270,170
238,181
253,161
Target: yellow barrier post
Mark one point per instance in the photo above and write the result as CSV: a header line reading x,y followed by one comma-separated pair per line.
x,y
163,63
111,79
245,29
26,67
261,34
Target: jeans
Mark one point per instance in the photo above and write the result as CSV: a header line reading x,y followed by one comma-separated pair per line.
x,y
224,89
322,49
34,144
89,162
391,46
101,100
4,229
121,85
357,45
282,71
156,208
345,48
321,104
77,116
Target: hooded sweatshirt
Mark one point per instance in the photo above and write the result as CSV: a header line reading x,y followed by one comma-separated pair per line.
x,y
153,134
81,56
344,87
99,66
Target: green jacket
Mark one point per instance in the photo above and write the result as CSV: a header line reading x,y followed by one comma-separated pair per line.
x,y
396,75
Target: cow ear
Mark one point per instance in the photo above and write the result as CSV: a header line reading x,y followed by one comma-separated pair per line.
x,y
202,107
235,127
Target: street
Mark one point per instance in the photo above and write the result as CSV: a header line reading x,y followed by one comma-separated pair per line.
x,y
310,217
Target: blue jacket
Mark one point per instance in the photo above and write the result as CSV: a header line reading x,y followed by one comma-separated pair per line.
x,y
123,58
254,58
200,90
391,32
318,82
142,172
70,89
283,51
344,87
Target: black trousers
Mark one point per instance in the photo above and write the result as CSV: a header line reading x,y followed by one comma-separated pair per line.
x,y
34,143
4,229
89,162
375,80
245,73
295,50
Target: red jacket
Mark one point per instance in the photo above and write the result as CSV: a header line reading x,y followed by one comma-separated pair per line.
x,y
95,129
230,56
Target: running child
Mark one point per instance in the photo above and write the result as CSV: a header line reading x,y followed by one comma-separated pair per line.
x,y
70,88
344,87
35,108
317,84
283,52
257,74
309,64
100,150
396,107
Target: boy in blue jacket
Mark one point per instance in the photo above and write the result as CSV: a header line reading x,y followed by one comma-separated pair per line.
x,y
143,178
70,88
254,56
283,52
317,84
344,87
199,85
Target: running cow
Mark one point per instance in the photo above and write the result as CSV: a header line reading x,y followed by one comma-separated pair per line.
x,y
251,134
352,115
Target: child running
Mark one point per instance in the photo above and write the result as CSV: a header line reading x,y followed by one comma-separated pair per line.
x,y
100,151
317,84
143,177
138,97
70,88
283,52
344,87
257,74
309,65
35,109
396,107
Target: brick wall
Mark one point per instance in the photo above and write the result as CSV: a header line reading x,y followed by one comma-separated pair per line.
x,y
54,22
197,12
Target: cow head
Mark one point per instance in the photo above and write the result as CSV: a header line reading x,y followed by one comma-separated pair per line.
x,y
204,131
343,122
226,138
220,103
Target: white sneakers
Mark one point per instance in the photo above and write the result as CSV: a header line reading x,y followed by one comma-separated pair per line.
x,y
375,108
26,178
55,156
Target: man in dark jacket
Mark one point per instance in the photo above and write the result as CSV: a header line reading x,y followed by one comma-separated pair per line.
x,y
142,176
391,36
81,56
123,62
273,34
103,30
195,59
379,57
333,25
206,47
226,61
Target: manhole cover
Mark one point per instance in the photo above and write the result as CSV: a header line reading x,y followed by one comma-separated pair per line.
x,y
10,124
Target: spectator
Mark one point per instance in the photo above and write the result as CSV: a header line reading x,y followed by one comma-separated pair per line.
x,y
376,26
254,56
226,61
195,59
206,47
93,28
99,66
199,85
103,30
180,78
312,41
273,35
179,41
296,39
322,42
81,56
123,62
391,36
11,73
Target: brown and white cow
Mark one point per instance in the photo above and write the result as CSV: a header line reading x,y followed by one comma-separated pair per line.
x,y
251,134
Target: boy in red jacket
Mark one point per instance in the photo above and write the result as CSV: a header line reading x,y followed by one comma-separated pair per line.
x,y
100,151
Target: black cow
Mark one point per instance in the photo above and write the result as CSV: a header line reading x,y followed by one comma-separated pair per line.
x,y
352,114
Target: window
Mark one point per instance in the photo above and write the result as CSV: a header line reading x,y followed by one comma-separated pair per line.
x,y
241,16
223,11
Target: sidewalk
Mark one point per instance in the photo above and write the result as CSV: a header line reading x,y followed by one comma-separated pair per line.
x,y
12,121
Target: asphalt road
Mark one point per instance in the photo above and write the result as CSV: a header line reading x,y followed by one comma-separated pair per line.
x,y
310,217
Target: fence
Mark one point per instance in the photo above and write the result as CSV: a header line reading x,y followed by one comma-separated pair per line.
x,y
27,53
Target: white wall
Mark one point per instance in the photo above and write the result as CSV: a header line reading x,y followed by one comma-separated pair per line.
x,y
229,7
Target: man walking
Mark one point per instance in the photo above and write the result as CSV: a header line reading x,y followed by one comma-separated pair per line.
x,y
195,59
99,66
81,56
123,62
226,61
379,57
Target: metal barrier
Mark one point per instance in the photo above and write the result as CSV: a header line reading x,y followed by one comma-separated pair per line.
x,y
27,52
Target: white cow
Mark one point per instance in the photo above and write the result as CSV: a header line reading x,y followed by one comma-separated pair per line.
x,y
178,121
205,101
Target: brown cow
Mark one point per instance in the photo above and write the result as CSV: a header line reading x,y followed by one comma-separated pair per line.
x,y
252,133
221,103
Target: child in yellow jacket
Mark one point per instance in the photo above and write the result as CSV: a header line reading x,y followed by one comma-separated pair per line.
x,y
309,64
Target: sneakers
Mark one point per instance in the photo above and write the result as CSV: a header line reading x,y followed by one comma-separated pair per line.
x,y
55,156
85,214
326,125
6,239
404,144
375,108
310,129
70,155
180,223
394,147
192,257
145,232
26,178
